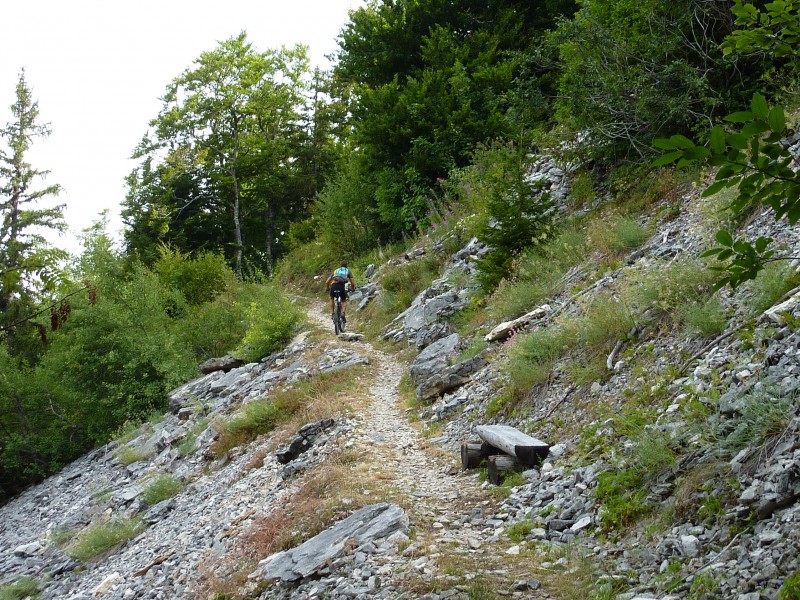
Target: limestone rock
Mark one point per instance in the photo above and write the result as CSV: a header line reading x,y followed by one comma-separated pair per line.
x,y
224,363
369,524
434,358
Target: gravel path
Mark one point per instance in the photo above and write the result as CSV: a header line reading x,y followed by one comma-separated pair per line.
x,y
444,500
386,433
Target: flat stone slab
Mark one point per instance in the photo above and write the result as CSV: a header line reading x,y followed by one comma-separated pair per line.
x,y
369,524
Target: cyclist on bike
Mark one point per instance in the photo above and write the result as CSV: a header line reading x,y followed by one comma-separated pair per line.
x,y
336,285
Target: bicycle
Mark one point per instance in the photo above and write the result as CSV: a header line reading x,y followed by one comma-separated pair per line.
x,y
338,317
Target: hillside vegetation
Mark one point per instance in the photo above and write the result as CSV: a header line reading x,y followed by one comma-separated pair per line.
x,y
258,176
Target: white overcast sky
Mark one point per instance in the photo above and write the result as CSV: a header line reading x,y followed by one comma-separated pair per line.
x,y
98,68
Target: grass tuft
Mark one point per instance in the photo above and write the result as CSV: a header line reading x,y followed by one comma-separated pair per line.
x,y
23,587
163,487
771,284
624,491
101,537
704,319
617,234
128,455
790,590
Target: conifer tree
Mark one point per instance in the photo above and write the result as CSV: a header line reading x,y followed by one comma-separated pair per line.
x,y
26,259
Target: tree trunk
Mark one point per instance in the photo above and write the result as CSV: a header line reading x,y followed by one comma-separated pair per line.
x,y
269,235
237,209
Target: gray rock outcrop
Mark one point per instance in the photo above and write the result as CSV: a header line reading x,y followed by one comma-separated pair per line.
x,y
434,359
364,528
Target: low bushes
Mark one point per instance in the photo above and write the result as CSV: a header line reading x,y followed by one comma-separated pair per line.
x,y
270,323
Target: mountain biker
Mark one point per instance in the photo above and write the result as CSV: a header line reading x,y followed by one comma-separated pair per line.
x,y
336,285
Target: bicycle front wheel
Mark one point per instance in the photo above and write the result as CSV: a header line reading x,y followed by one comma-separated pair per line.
x,y
337,319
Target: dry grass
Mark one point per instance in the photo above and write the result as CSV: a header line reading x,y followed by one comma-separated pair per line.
x,y
325,494
328,395
565,571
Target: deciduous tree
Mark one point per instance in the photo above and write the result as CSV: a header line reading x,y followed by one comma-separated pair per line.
x,y
222,158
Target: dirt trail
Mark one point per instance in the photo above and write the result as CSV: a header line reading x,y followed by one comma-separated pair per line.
x,y
397,451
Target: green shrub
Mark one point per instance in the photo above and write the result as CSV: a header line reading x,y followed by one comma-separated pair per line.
x,y
216,328
271,324
101,537
770,285
703,320
22,588
117,360
199,278
163,487
516,210
347,218
259,416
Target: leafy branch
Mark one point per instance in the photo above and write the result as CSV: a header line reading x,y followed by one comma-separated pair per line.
x,y
753,160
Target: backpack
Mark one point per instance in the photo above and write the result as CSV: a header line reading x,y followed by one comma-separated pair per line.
x,y
340,275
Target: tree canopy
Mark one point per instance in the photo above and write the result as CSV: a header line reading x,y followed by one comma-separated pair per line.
x,y
432,79
232,157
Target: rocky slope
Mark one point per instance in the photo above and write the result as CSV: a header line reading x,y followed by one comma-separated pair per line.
x,y
412,524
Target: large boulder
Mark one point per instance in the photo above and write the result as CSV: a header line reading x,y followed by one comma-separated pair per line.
x,y
425,337
223,363
365,528
435,358
451,377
